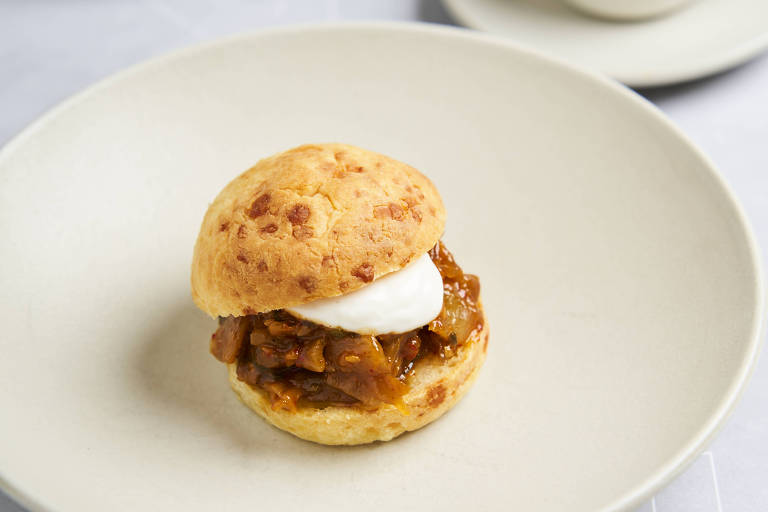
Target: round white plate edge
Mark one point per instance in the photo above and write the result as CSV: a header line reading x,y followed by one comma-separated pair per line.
x,y
730,59
706,433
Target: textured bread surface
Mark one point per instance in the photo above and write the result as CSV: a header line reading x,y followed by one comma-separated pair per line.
x,y
315,221
435,387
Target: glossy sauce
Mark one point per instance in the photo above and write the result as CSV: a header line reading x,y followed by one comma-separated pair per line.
x,y
302,364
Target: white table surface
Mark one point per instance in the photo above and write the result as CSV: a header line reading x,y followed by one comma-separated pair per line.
x,y
51,49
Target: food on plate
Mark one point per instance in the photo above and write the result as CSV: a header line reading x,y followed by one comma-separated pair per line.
x,y
343,318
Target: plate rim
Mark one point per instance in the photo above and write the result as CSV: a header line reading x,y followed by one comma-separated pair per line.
x,y
725,61
707,431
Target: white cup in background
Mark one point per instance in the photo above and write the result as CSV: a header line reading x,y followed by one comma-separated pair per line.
x,y
626,9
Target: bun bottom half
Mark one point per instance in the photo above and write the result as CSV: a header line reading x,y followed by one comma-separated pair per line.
x,y
435,387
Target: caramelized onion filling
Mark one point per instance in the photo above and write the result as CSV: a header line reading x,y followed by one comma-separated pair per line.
x,y
303,364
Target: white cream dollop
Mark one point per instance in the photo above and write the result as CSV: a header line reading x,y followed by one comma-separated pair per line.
x,y
396,302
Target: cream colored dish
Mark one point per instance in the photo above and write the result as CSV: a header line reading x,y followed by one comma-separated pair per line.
x,y
620,279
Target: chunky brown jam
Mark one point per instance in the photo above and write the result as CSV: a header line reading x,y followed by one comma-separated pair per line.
x,y
303,364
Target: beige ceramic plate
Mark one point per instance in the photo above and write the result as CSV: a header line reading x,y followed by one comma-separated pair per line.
x,y
704,37
620,278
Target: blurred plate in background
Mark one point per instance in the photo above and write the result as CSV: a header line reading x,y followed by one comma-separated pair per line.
x,y
701,39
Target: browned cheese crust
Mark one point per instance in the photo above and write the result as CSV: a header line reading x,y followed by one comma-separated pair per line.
x,y
316,221
435,387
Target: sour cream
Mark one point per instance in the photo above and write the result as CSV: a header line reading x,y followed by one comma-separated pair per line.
x,y
394,303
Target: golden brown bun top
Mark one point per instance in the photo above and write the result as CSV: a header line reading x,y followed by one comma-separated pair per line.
x,y
315,221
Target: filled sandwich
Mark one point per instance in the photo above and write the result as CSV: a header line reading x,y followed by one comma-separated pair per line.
x,y
342,317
